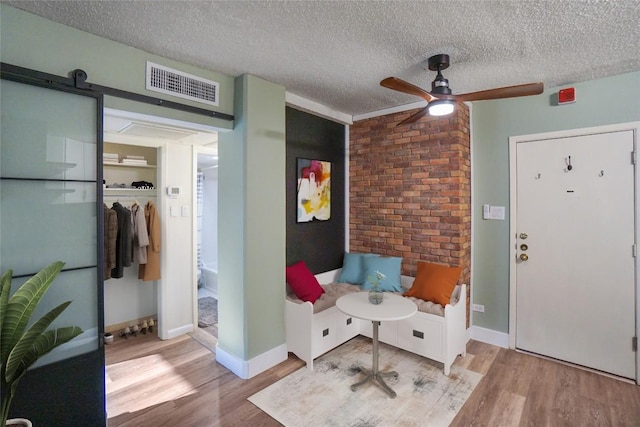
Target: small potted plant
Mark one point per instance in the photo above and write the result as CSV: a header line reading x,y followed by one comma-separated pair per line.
x,y
21,346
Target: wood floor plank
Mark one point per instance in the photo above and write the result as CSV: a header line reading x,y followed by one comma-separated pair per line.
x,y
186,386
508,409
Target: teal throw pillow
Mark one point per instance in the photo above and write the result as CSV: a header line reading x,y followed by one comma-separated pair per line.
x,y
353,268
389,267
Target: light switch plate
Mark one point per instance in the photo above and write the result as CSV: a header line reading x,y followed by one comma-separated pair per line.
x,y
497,212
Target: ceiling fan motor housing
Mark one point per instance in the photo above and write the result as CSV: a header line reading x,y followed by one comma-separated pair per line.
x,y
439,85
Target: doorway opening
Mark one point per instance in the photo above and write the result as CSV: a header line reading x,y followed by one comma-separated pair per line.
x,y
160,133
207,238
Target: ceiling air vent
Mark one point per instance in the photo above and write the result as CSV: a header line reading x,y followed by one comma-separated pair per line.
x,y
173,82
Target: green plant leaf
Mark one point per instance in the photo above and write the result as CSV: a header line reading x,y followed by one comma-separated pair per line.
x,y
43,345
21,305
5,289
25,343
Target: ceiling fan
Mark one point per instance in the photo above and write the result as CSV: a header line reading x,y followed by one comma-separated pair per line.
x,y
441,101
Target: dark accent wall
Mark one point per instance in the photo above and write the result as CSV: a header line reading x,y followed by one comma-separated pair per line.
x,y
319,243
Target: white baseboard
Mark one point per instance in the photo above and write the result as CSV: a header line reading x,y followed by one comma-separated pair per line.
x,y
489,336
176,332
246,369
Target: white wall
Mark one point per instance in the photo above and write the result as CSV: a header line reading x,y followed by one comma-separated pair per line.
x,y
176,290
128,298
210,219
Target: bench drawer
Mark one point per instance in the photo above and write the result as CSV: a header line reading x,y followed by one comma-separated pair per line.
x,y
324,332
347,327
422,336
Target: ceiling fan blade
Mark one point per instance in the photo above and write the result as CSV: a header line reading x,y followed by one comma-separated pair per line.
x,y
415,117
502,92
406,87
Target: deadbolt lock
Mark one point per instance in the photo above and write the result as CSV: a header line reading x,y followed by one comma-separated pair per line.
x,y
524,247
523,236
524,257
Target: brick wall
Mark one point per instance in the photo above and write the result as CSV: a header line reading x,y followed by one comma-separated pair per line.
x,y
410,189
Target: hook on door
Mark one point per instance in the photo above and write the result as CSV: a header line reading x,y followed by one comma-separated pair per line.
x,y
569,165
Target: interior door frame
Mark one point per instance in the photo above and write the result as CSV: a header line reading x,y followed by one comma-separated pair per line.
x,y
513,226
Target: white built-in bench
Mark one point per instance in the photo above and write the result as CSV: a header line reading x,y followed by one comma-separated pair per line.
x,y
435,332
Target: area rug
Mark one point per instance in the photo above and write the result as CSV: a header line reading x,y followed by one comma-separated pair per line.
x,y
207,312
323,397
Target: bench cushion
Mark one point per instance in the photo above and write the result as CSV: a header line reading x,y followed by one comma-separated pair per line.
x,y
334,291
331,293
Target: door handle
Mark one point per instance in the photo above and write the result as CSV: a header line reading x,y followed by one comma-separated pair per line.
x,y
523,236
524,257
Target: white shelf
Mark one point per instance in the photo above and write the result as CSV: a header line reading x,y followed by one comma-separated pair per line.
x,y
123,165
130,192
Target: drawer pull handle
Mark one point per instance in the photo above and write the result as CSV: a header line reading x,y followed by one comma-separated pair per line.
x,y
325,332
349,321
418,334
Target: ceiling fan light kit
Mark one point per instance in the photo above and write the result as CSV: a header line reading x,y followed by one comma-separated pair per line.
x,y
441,107
441,101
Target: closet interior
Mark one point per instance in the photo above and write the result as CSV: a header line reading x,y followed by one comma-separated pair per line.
x,y
130,288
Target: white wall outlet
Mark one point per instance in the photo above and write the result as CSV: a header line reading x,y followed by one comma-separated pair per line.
x,y
477,307
185,210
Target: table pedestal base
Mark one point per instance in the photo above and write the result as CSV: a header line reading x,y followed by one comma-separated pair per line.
x,y
378,379
374,375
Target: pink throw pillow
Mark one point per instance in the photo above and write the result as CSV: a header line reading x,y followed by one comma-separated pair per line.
x,y
303,283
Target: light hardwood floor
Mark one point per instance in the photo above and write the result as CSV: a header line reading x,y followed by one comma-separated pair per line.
x,y
178,383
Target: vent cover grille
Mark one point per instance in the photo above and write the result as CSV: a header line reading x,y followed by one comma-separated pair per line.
x,y
173,82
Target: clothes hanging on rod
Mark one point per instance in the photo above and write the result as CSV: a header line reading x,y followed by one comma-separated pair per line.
x,y
151,270
110,238
139,234
123,240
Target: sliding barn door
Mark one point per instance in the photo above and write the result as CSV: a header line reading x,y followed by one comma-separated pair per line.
x,y
50,188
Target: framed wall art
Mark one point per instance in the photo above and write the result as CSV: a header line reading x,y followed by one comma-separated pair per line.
x,y
313,190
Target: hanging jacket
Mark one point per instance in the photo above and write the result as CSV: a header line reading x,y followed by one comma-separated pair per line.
x,y
110,238
123,240
139,234
151,270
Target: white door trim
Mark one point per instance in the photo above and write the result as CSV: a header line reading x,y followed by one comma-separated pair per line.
x,y
513,141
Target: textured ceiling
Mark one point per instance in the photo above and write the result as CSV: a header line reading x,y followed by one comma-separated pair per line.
x,y
336,52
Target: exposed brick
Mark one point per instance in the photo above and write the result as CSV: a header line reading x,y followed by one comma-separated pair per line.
x,y
410,191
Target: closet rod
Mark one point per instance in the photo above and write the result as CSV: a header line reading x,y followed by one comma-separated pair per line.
x,y
129,196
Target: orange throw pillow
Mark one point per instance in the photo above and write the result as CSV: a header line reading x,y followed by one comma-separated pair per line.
x,y
434,282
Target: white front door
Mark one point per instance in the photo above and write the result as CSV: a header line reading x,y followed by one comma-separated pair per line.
x,y
575,236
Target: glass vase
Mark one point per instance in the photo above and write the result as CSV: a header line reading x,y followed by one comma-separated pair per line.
x,y
375,297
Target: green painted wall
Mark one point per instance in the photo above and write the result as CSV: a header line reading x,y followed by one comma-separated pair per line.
x,y
30,41
252,181
252,226
599,102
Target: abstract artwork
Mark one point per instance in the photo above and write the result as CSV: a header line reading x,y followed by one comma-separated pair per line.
x,y
314,190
